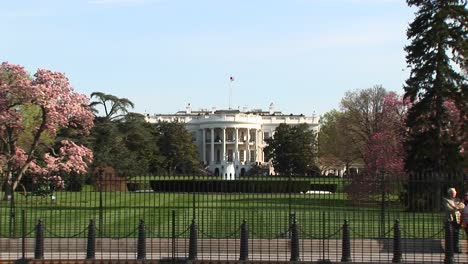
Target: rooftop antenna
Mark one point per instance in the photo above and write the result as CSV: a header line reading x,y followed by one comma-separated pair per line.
x,y
231,80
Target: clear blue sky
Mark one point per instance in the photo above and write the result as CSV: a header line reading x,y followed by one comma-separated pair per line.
x,y
302,55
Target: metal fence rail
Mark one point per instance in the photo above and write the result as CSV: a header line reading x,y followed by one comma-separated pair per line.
x,y
267,218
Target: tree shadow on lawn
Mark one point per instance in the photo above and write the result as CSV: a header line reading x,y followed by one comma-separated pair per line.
x,y
305,202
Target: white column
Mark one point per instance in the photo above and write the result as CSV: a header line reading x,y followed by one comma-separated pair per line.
x,y
262,145
236,151
224,146
204,146
256,144
247,159
212,146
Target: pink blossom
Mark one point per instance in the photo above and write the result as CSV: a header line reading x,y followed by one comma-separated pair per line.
x,y
60,107
384,151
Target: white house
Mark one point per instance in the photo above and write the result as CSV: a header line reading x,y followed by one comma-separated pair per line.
x,y
231,141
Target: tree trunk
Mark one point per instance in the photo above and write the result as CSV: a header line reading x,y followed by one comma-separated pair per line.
x,y
8,186
8,190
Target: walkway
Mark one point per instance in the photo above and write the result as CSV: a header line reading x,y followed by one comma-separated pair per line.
x,y
362,250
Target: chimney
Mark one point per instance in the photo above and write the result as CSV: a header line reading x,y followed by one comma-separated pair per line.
x,y
272,108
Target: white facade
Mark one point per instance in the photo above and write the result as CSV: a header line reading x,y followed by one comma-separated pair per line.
x,y
231,141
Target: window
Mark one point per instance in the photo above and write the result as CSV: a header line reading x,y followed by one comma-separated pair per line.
x,y
252,137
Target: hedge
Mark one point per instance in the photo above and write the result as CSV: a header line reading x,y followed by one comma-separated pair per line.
x,y
234,186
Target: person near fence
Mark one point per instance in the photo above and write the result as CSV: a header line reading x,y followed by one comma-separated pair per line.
x,y
453,207
464,221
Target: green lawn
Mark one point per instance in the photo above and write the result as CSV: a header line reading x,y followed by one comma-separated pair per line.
x,y
217,215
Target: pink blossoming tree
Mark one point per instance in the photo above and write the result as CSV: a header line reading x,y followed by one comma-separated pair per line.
x,y
383,152
59,106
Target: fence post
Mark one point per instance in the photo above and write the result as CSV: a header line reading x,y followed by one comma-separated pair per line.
x,y
448,243
193,241
12,211
346,243
323,260
141,245
91,245
101,206
396,243
382,206
294,241
23,234
173,235
244,242
39,245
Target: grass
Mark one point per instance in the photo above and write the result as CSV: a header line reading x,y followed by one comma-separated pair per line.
x,y
217,215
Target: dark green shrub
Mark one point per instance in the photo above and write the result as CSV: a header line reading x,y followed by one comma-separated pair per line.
x,y
329,187
235,186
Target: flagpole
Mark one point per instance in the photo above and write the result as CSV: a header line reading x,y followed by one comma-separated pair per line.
x,y
231,79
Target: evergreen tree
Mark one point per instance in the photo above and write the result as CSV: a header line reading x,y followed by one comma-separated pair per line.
x,y
113,107
437,58
292,150
177,148
122,139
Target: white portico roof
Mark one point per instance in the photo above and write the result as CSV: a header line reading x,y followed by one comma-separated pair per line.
x,y
231,120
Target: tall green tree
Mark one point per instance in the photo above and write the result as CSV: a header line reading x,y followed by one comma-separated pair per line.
x,y
334,141
132,146
292,150
113,107
128,144
437,57
176,145
363,110
122,139
141,138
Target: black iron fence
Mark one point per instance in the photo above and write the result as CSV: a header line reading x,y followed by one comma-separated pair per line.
x,y
270,218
